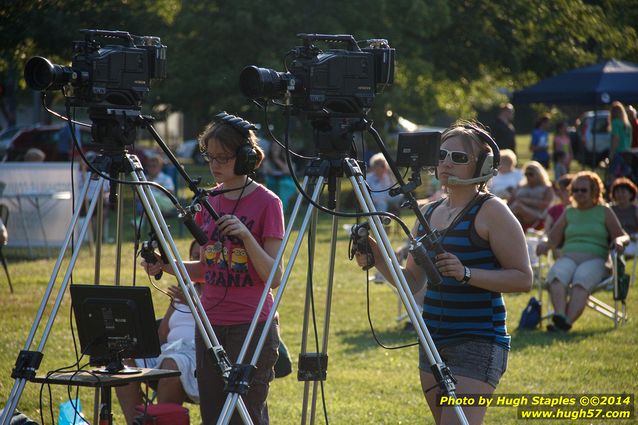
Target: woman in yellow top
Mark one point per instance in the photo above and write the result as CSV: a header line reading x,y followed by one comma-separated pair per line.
x,y
585,230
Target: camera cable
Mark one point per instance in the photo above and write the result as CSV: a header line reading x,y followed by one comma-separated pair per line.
x,y
272,136
359,243
78,146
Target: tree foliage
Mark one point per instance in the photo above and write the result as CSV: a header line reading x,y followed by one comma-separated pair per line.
x,y
454,57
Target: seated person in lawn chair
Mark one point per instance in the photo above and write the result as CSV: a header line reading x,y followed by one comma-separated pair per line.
x,y
530,200
585,230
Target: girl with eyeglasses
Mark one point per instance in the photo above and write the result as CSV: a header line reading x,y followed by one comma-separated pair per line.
x,y
584,231
234,265
485,255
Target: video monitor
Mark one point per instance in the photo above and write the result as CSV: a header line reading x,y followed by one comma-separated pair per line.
x,y
418,149
114,323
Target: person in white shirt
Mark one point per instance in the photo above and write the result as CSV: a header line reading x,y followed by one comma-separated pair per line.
x,y
380,180
508,177
154,173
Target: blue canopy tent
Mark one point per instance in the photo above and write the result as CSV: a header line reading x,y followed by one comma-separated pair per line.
x,y
594,86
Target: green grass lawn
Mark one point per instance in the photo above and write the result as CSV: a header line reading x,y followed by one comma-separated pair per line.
x,y
366,384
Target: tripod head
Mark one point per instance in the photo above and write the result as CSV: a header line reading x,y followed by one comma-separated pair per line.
x,y
333,134
113,129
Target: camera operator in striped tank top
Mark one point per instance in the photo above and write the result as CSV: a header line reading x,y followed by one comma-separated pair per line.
x,y
485,255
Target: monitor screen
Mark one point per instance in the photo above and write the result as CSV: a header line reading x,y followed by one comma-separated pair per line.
x,y
418,149
114,323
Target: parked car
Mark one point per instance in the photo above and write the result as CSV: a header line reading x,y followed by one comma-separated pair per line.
x,y
7,136
54,140
595,136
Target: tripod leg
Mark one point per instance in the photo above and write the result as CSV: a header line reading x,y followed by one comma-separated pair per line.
x,y
306,319
322,355
231,399
99,226
22,375
119,231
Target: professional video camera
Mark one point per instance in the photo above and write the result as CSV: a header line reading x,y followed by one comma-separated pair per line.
x,y
110,80
332,81
109,76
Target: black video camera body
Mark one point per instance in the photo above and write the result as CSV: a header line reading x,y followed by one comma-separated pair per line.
x,y
103,76
336,80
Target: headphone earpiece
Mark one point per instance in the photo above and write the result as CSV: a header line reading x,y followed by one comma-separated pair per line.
x,y
245,160
488,162
246,156
485,165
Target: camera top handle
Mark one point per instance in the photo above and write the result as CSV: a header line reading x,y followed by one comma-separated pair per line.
x,y
342,38
90,35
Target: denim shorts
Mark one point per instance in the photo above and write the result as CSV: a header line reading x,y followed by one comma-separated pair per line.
x,y
482,360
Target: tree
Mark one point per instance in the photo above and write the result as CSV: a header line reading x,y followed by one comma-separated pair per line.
x,y
454,57
48,28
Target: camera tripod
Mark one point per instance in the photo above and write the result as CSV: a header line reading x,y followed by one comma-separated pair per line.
x,y
116,164
313,366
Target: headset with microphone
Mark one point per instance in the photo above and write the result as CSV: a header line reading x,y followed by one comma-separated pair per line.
x,y
487,162
246,156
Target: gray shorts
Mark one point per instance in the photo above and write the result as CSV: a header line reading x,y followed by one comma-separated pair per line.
x,y
477,359
588,273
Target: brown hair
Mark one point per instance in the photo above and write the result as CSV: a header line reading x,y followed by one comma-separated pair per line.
x,y
230,138
564,181
624,183
596,187
468,132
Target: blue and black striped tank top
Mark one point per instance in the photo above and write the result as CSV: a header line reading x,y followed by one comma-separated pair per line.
x,y
453,310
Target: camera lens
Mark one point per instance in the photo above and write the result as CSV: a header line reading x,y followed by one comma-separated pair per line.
x,y
40,74
257,82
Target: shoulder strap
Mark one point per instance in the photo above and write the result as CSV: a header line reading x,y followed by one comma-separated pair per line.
x,y
480,197
432,207
428,213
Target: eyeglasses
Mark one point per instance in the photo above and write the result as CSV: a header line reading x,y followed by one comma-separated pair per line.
x,y
457,157
530,174
220,159
580,190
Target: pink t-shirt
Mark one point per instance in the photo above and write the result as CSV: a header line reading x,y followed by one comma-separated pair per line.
x,y
232,287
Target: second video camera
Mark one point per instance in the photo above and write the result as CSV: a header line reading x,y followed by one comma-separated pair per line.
x,y
335,80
